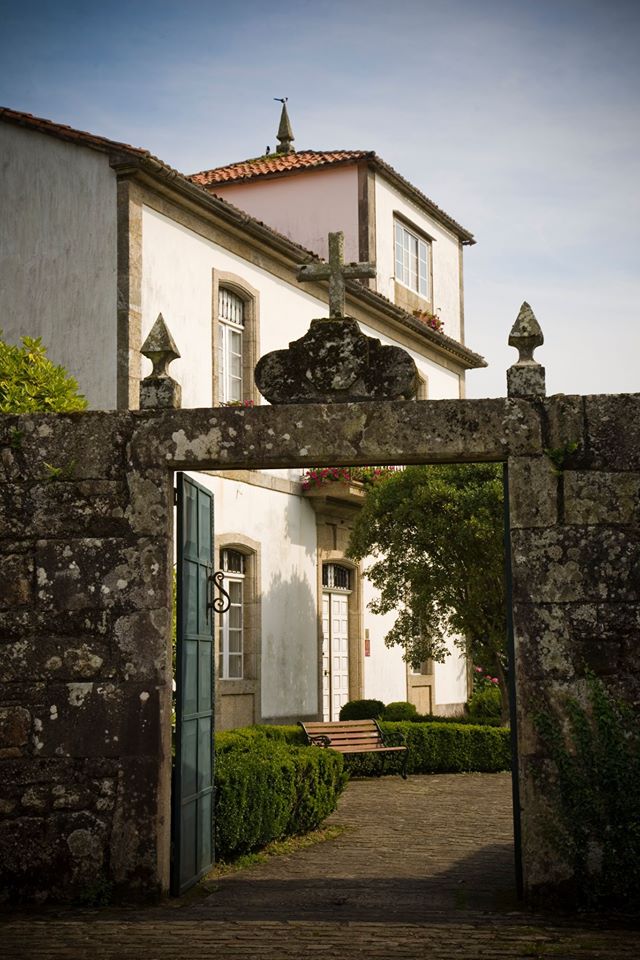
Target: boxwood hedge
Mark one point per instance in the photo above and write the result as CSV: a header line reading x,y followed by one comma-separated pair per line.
x,y
439,748
267,788
269,785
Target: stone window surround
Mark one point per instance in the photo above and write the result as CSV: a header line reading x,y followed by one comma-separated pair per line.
x,y
252,634
250,335
227,657
405,296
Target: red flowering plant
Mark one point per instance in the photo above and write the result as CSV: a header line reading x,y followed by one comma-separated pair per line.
x,y
482,680
430,320
317,476
237,403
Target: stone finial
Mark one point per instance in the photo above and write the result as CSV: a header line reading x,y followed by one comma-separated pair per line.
x,y
336,271
335,362
526,378
526,334
285,133
159,389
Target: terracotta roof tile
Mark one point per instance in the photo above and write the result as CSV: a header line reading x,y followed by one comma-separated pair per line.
x,y
277,163
281,164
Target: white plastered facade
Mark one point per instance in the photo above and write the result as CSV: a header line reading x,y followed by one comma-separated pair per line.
x,y
58,256
59,278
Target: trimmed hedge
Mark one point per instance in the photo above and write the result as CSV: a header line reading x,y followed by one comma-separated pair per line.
x,y
400,710
361,710
439,748
266,788
463,720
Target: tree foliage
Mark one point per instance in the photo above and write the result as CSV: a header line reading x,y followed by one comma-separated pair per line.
x,y
30,382
435,536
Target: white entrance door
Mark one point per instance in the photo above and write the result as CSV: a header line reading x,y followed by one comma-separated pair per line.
x,y
335,653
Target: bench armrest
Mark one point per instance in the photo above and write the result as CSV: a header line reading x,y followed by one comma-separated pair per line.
x,y
319,740
384,742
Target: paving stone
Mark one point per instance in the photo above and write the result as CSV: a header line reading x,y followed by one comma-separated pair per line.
x,y
424,868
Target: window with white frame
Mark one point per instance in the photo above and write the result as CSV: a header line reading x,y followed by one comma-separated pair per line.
x,y
230,346
336,577
231,634
412,259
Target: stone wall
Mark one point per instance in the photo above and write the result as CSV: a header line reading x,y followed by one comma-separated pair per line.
x,y
83,662
85,548
575,535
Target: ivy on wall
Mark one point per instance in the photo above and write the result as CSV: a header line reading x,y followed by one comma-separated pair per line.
x,y
596,794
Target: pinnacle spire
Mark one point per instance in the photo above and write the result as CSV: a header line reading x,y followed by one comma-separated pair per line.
x,y
285,133
526,334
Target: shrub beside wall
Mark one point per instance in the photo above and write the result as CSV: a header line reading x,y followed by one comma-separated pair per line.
x,y
485,704
484,707
400,710
361,710
266,788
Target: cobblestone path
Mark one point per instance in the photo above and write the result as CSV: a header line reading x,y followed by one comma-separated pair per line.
x,y
423,869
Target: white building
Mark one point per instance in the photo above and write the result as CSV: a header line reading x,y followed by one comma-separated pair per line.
x,y
99,237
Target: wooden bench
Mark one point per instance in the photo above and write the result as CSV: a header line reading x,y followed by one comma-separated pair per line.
x,y
352,736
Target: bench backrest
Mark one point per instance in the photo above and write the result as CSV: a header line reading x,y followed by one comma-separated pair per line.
x,y
351,733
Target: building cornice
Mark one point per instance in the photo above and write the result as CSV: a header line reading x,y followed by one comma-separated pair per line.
x,y
130,162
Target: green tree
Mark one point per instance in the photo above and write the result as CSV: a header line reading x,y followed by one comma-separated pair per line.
x,y
30,382
435,536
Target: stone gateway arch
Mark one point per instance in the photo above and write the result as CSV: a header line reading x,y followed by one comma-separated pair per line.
x,y
85,615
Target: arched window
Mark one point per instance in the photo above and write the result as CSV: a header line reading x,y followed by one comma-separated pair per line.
x,y
235,339
230,346
336,577
232,640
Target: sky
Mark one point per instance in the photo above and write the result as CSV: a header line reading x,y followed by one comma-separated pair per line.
x,y
520,118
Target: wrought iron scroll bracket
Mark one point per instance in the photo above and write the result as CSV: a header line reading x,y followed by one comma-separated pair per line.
x,y
222,602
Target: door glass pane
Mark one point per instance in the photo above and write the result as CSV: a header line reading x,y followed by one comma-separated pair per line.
x,y
234,589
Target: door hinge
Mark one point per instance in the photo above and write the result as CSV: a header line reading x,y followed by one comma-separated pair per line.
x,y
175,496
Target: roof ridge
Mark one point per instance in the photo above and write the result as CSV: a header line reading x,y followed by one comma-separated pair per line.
x,y
284,164
284,157
29,119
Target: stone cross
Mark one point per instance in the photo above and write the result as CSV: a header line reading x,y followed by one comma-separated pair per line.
x,y
336,271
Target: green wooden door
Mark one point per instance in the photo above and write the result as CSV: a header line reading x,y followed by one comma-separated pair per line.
x,y
192,801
